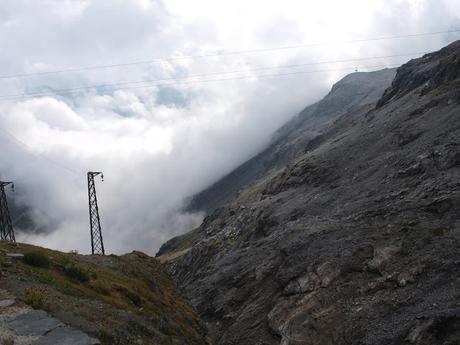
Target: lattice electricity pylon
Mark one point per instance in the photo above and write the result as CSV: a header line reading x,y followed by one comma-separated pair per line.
x,y
97,244
6,227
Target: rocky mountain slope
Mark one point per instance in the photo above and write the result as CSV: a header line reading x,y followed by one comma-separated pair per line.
x,y
108,300
352,92
354,242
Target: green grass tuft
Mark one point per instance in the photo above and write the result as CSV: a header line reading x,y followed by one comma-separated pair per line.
x,y
77,273
36,259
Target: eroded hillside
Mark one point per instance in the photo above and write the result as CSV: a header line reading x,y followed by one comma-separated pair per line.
x,y
356,241
352,92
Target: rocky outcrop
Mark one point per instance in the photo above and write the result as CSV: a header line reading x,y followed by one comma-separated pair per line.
x,y
432,72
20,324
354,242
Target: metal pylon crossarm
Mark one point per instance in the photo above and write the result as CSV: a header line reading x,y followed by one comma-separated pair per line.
x,y
97,244
6,227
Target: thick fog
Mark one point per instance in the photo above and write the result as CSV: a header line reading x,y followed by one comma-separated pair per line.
x,y
162,131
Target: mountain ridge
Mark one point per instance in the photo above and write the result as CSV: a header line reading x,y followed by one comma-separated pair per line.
x,y
355,241
352,91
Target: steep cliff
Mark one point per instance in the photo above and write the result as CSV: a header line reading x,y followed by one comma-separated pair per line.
x,y
352,92
355,241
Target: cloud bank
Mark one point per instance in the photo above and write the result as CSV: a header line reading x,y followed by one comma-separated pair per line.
x,y
160,143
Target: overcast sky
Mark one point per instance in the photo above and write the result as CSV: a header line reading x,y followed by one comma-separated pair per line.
x,y
160,142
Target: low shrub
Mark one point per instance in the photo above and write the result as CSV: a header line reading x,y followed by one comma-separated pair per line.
x,y
439,231
35,297
130,295
100,287
7,341
62,261
36,259
77,273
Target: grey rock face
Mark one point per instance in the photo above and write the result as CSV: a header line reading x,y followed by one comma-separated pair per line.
x,y
350,93
19,324
428,72
66,336
6,303
355,241
34,322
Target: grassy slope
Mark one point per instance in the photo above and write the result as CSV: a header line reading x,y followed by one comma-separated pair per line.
x,y
127,299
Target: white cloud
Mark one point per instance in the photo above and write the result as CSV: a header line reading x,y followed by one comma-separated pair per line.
x,y
157,145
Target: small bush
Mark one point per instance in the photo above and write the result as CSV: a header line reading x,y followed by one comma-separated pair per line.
x,y
130,295
63,261
35,297
7,341
105,337
77,273
439,231
100,288
36,259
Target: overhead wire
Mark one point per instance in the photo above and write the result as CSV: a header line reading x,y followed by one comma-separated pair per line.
x,y
99,86
76,174
263,76
184,80
227,53
30,151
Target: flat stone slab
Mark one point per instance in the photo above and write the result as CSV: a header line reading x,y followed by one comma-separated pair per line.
x,y
32,323
5,303
66,336
5,295
15,255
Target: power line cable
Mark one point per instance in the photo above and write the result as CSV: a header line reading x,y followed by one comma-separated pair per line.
x,y
29,150
212,74
70,92
227,53
19,217
76,91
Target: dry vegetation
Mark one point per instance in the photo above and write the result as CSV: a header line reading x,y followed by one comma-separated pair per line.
x,y
125,300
